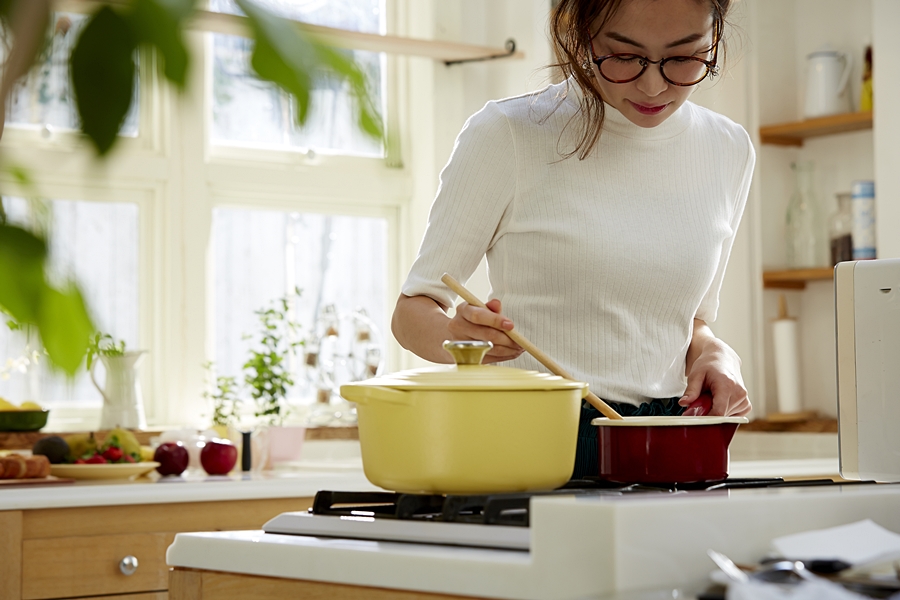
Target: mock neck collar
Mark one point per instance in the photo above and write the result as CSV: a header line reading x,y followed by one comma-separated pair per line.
x,y
618,124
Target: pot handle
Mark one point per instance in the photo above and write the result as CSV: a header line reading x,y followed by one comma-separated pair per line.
x,y
365,394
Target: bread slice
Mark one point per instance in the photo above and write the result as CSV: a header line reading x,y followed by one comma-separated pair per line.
x,y
37,466
14,466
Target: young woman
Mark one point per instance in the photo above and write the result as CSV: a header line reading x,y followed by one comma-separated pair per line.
x,y
607,206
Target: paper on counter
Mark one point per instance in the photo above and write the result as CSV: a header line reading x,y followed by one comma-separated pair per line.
x,y
857,543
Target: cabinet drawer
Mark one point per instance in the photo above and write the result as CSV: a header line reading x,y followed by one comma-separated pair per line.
x,y
90,565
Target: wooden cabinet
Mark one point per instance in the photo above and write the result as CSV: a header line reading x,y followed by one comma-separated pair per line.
x,y
77,552
191,584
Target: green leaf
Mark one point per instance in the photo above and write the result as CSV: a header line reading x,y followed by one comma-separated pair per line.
x,y
341,64
179,9
60,316
282,55
65,327
22,256
291,59
102,67
158,23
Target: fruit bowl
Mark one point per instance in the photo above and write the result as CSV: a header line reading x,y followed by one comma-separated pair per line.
x,y
23,420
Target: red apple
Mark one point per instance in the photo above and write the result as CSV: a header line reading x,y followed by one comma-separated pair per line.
x,y
172,458
218,456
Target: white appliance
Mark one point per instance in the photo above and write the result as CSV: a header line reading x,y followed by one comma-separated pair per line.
x,y
867,326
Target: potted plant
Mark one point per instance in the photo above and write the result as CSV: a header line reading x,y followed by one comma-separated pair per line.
x,y
266,372
267,379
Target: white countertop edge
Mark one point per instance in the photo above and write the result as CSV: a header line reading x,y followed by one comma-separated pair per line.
x,y
294,485
436,569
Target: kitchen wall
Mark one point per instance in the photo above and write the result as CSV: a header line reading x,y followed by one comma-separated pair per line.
x,y
786,32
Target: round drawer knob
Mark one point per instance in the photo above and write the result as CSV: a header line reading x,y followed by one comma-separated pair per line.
x,y
128,565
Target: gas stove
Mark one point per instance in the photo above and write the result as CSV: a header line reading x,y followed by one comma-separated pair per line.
x,y
584,542
483,521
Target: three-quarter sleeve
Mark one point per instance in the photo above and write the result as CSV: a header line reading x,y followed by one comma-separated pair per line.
x,y
709,305
477,187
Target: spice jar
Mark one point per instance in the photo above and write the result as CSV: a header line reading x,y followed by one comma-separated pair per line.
x,y
840,229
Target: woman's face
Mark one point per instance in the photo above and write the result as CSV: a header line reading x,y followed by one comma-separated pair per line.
x,y
655,29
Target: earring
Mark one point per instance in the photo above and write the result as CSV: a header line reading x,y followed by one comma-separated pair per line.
x,y
586,66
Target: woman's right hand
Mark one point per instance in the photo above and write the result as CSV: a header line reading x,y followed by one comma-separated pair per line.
x,y
474,323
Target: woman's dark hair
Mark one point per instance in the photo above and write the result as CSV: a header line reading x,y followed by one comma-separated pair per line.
x,y
571,23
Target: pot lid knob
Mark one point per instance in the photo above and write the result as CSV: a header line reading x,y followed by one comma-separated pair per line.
x,y
467,353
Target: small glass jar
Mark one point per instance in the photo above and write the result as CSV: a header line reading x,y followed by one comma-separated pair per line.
x,y
840,229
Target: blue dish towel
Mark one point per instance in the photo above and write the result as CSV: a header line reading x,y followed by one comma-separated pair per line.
x,y
587,456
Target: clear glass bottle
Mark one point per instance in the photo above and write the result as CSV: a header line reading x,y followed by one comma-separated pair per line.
x,y
805,232
840,229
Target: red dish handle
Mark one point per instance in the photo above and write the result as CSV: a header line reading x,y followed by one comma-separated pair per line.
x,y
699,407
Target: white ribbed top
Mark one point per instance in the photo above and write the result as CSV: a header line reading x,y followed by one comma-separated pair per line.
x,y
603,263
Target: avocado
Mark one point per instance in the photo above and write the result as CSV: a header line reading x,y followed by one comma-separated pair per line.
x,y
53,447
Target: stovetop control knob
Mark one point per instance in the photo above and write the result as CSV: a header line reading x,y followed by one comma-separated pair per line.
x,y
128,565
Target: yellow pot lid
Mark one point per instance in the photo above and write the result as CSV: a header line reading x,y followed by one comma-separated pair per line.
x,y
468,374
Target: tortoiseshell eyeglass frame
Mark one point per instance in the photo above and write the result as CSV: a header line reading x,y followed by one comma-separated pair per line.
x,y
712,69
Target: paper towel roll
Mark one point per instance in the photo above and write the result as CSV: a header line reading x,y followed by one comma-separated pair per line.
x,y
787,365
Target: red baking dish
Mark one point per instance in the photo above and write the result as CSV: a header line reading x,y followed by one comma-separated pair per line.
x,y
665,449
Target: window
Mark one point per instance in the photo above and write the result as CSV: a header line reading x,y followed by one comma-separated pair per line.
x,y
175,245
95,243
338,262
247,111
44,98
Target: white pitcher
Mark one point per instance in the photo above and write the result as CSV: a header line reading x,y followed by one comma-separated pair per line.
x,y
826,85
123,405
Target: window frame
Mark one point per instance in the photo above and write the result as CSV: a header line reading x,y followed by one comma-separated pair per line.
x,y
177,176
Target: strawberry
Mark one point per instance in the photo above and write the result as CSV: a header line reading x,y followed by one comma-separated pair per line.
x,y
80,461
112,454
96,459
129,458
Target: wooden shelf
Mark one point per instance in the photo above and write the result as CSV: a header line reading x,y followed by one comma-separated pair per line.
x,y
815,425
795,279
793,134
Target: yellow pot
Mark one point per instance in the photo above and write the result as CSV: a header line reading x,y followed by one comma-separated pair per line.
x,y
468,428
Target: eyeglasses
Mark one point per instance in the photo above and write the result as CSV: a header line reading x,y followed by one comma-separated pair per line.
x,y
677,70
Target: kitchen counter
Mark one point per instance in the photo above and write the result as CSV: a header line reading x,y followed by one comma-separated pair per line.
x,y
337,465
581,547
73,540
193,488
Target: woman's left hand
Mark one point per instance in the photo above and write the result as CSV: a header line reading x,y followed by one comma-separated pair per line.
x,y
717,368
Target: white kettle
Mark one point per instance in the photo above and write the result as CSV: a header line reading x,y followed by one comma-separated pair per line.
x,y
826,83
